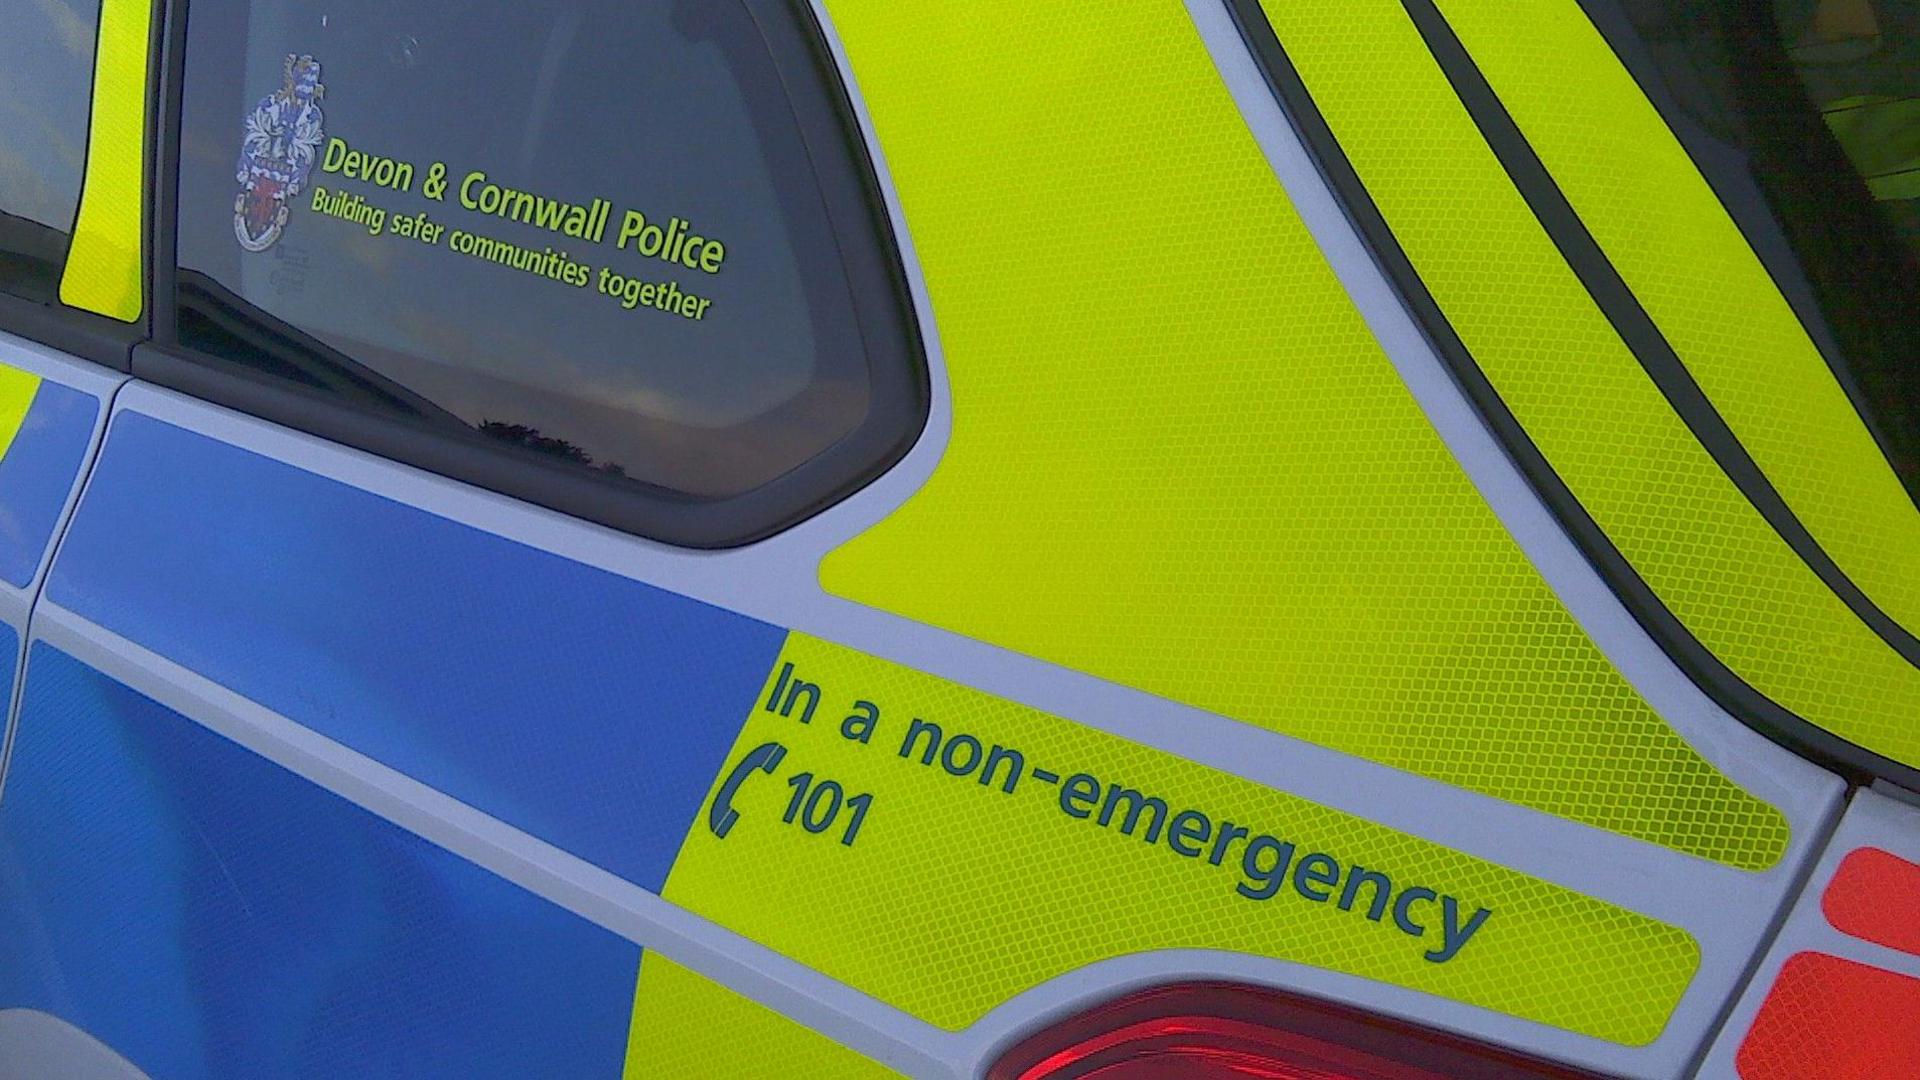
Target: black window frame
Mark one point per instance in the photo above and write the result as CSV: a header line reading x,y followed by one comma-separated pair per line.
x,y
885,315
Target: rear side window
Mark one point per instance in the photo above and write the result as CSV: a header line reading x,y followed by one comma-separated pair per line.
x,y
625,254
46,82
1859,63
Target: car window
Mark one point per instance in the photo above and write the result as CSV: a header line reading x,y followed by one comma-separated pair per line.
x,y
46,80
591,233
1859,61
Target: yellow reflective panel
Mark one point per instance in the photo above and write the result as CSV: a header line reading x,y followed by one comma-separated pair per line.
x,y
1667,234
944,850
1581,395
1179,461
686,1025
104,265
17,391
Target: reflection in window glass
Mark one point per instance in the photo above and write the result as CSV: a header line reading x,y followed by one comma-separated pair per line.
x,y
46,80
1860,63
587,230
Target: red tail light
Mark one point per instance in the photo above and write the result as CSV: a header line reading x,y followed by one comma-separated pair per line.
x,y
1216,1031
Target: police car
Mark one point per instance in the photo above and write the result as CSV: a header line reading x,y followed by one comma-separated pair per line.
x,y
1018,540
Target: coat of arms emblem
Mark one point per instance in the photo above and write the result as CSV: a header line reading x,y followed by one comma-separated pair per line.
x,y
283,135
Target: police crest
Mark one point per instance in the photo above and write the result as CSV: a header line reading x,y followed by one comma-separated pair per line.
x,y
282,136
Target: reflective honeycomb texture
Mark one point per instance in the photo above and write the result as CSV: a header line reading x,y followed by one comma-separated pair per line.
x,y
1579,392
1180,462
1832,1019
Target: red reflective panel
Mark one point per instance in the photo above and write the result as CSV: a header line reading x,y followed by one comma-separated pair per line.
x,y
1832,1019
1875,896
1216,1031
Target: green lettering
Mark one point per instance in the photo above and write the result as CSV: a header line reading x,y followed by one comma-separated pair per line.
x,y
576,223
630,226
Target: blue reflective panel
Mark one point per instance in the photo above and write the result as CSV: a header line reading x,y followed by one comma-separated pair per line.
x,y
38,472
208,914
9,660
588,709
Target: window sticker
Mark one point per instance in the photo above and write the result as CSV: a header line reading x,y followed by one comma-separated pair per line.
x,y
285,140
282,135
635,240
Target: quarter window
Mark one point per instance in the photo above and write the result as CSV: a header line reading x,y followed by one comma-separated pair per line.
x,y
633,242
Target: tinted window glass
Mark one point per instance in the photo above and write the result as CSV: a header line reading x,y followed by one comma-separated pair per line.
x,y
592,232
1805,115
1859,61
46,80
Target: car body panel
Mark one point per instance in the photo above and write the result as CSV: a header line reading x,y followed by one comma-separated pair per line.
x,y
260,654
